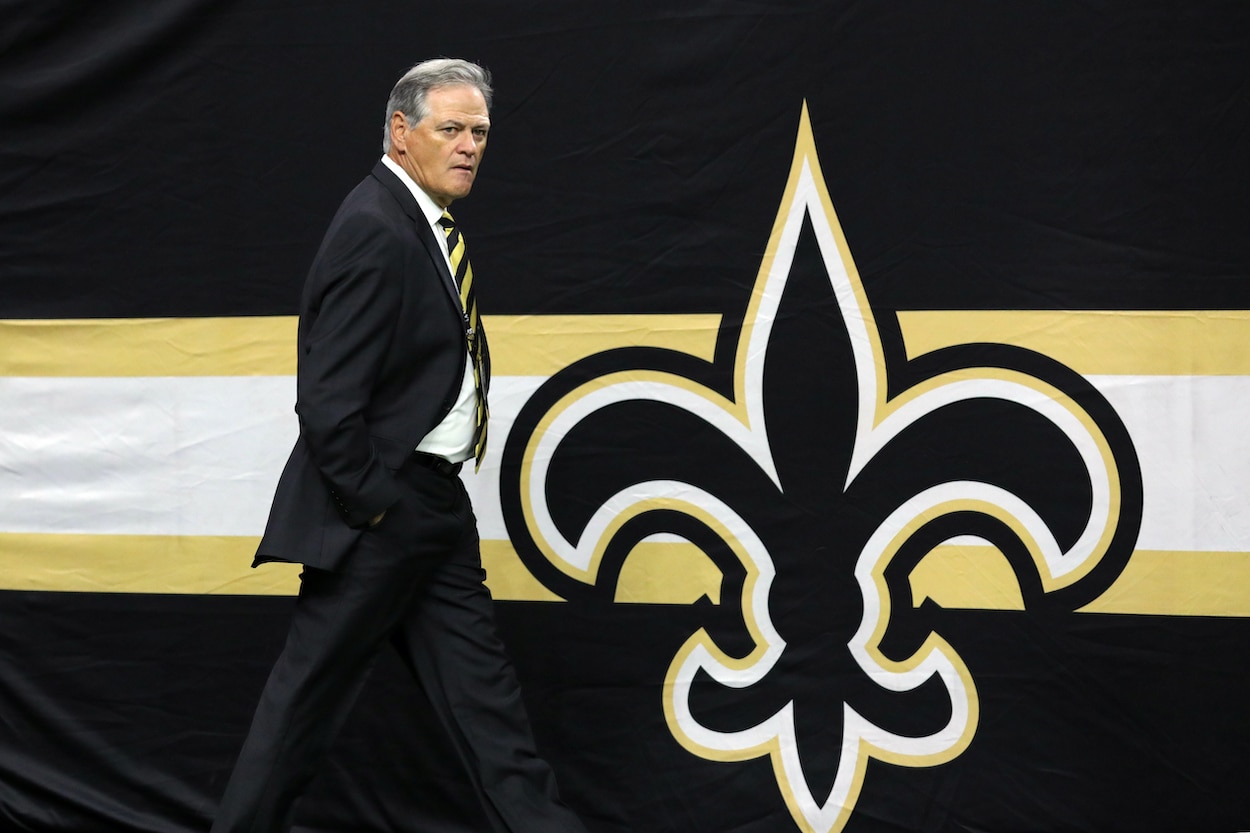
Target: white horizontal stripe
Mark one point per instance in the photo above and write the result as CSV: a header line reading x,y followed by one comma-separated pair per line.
x,y
172,455
201,455
1194,448
142,455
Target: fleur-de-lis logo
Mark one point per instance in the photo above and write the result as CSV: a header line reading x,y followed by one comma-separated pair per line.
x,y
816,471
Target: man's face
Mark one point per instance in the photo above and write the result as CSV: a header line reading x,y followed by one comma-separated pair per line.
x,y
442,151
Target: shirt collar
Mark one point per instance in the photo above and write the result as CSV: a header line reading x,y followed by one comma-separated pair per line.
x,y
428,207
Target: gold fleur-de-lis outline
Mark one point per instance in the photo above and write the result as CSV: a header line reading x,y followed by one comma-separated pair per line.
x,y
879,419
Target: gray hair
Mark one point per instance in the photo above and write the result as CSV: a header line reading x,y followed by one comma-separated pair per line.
x,y
409,94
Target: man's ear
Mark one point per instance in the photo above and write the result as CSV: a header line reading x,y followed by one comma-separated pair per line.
x,y
399,131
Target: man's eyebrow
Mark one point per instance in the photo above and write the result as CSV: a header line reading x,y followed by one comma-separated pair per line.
x,y
454,122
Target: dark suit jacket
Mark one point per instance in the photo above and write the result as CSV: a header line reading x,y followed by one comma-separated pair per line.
x,y
382,350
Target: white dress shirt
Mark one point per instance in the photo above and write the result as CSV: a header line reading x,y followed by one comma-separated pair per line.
x,y
451,439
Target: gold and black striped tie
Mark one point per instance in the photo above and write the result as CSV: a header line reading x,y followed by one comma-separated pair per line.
x,y
462,270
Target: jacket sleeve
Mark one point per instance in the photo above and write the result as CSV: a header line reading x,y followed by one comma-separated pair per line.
x,y
352,307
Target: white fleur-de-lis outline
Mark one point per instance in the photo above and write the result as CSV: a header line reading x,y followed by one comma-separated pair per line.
x,y
741,419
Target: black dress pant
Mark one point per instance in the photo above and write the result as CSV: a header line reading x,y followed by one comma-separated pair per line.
x,y
414,581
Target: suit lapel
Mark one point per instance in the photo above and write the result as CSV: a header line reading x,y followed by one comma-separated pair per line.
x,y
425,234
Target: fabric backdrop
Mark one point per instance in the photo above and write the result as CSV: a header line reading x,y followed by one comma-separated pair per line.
x,y
869,449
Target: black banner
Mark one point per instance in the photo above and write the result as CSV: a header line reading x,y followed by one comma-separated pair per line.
x,y
993,583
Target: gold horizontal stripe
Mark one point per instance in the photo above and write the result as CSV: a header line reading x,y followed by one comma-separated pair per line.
x,y
658,573
197,564
1211,343
1154,583
194,565
522,345
1164,583
1091,342
238,346
541,345
973,577
1162,343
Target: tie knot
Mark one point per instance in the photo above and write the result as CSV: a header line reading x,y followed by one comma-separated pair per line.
x,y
447,221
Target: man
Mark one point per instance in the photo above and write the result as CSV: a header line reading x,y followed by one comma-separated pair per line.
x,y
391,388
